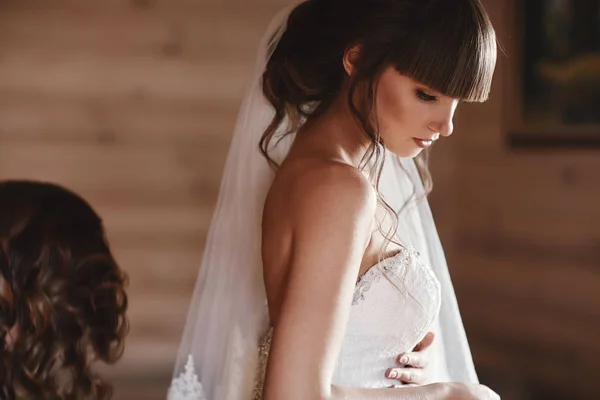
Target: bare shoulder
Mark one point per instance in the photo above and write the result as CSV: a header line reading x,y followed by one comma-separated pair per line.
x,y
329,189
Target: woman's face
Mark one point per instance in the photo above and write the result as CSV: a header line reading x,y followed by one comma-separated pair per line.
x,y
411,115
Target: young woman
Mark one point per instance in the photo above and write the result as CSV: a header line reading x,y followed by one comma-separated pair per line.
x,y
331,267
62,295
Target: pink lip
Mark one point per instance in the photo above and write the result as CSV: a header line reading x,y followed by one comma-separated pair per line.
x,y
424,143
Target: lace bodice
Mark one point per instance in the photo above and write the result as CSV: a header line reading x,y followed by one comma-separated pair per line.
x,y
394,304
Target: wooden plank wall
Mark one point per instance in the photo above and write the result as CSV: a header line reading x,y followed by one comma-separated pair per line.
x,y
525,247
131,103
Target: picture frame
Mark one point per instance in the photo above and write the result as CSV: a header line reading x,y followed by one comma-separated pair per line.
x,y
553,91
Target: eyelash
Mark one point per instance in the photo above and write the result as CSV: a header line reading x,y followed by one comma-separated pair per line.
x,y
425,97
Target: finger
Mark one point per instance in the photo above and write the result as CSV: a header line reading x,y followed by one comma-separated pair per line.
x,y
426,342
415,360
406,375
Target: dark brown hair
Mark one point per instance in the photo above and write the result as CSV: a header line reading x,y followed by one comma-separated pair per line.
x,y
62,295
448,45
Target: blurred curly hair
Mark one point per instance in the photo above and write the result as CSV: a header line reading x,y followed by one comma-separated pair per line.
x,y
62,295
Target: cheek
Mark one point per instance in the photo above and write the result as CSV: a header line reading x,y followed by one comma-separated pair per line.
x,y
391,107
400,114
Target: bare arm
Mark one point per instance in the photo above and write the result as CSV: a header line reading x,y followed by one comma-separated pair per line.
x,y
428,392
332,211
435,391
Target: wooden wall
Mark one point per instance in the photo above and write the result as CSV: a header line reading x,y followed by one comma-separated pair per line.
x,y
523,240
131,103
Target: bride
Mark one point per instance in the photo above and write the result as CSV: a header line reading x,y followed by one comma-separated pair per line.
x,y
323,269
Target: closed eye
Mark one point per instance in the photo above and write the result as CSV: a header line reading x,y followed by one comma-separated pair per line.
x,y
425,97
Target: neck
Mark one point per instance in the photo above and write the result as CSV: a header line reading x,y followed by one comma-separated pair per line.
x,y
338,127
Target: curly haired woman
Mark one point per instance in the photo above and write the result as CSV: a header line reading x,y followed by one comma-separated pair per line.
x,y
62,295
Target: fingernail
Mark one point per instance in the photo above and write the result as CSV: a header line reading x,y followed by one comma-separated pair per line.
x,y
404,360
392,374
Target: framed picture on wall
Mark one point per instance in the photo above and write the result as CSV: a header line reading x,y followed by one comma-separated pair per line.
x,y
554,67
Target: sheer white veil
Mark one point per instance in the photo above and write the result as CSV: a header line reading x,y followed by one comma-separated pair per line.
x,y
218,354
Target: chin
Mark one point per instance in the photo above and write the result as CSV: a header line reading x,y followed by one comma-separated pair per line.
x,y
406,152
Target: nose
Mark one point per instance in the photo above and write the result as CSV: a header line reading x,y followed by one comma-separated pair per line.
x,y
443,123
444,128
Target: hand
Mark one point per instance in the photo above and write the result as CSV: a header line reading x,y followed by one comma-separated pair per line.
x,y
413,365
467,391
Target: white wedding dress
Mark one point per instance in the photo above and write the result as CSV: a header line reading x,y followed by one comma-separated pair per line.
x,y
395,304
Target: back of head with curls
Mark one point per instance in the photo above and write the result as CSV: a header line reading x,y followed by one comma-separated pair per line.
x,y
62,295
447,45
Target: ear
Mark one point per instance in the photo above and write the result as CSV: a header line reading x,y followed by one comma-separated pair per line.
x,y
351,56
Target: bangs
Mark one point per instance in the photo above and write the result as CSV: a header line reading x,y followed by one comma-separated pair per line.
x,y
458,56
